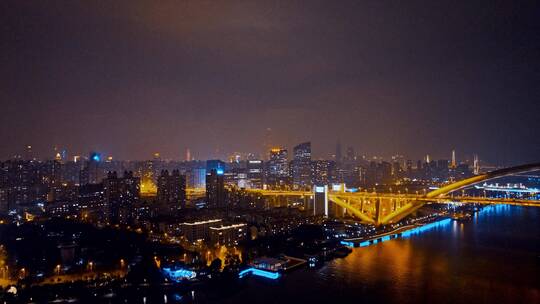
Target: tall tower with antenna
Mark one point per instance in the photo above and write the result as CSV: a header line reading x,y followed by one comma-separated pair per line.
x,y
476,165
188,154
453,164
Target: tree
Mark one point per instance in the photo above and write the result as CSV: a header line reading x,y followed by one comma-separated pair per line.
x,y
215,266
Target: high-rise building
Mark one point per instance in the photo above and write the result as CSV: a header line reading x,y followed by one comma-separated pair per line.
x,y
121,194
453,164
322,172
379,173
215,164
476,165
171,191
197,178
92,202
255,173
277,168
215,188
24,182
301,165
320,203
188,155
92,173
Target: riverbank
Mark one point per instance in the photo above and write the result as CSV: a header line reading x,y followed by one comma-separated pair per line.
x,y
404,231
478,261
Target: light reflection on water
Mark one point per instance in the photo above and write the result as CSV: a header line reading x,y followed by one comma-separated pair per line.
x,y
494,258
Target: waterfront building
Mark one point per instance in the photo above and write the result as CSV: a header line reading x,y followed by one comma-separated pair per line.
x,y
199,230
228,235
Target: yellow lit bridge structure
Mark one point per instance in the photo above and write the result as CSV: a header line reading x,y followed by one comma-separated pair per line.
x,y
386,208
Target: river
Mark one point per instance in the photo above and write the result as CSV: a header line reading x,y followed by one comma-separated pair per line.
x,y
493,258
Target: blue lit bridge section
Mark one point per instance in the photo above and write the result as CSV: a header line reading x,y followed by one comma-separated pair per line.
x,y
390,236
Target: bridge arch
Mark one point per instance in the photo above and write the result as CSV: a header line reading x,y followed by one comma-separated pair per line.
x,y
414,204
483,177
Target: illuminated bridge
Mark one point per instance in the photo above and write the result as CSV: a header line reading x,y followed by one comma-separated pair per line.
x,y
386,208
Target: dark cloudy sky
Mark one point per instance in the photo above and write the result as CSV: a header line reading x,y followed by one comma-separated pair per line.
x,y
130,78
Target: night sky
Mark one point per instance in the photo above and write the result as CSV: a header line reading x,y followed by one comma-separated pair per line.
x,y
130,78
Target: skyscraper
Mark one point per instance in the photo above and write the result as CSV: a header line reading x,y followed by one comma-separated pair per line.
x,y
215,188
277,168
188,155
92,172
255,173
171,190
197,178
322,172
453,164
476,165
120,196
301,165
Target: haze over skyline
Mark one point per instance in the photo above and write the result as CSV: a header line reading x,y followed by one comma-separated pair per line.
x,y
131,78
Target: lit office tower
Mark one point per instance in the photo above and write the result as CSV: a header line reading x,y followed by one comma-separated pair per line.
x,y
215,188
255,173
171,190
322,171
121,194
197,178
278,168
453,164
301,165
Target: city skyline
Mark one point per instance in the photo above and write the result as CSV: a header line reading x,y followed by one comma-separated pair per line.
x,y
263,151
134,78
28,153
